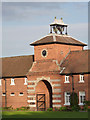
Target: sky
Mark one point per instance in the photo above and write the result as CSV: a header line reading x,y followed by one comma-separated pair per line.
x,y
26,22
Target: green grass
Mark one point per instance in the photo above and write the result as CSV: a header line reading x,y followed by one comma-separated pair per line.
x,y
43,114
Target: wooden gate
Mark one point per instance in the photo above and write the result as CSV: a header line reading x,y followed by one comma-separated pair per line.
x,y
41,103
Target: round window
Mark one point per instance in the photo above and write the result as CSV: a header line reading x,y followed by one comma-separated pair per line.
x,y
44,53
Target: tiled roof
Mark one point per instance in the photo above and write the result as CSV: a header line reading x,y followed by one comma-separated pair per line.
x,y
58,39
16,66
76,62
41,66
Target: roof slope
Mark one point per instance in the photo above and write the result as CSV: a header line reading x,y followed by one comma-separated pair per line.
x,y
16,66
76,62
56,38
41,66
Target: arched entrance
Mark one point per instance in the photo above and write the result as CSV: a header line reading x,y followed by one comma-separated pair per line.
x,y
43,95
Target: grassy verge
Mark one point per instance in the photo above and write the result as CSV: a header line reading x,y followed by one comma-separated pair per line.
x,y
43,114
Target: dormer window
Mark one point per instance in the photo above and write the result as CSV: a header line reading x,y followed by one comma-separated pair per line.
x,y
12,81
0,82
25,82
66,79
81,79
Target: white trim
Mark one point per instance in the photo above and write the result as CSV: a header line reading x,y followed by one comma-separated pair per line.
x,y
55,80
29,96
55,96
81,79
67,104
66,79
31,86
56,105
32,105
12,94
80,104
31,101
65,95
46,53
3,94
56,90
81,93
25,81
55,101
67,82
21,94
29,81
12,81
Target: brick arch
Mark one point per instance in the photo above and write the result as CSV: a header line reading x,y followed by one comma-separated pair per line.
x,y
43,78
44,87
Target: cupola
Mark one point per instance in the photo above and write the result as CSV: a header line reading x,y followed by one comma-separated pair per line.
x,y
58,27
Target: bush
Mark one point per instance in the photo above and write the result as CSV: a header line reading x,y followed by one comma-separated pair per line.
x,y
50,109
73,100
85,107
63,109
23,108
75,108
56,109
8,108
86,103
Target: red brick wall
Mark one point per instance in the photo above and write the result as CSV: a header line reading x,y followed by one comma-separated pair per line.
x,y
54,51
16,101
67,87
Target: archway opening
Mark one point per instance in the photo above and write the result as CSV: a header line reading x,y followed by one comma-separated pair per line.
x,y
43,95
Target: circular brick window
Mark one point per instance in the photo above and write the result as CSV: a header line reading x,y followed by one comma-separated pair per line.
x,y
44,53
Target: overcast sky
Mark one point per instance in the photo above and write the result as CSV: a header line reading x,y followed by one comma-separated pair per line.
x,y
25,22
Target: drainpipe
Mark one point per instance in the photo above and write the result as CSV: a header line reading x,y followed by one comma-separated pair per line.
x,y
6,93
73,88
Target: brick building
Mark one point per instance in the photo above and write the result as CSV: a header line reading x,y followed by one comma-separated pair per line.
x,y
46,79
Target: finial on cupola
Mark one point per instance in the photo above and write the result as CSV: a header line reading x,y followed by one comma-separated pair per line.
x,y
58,26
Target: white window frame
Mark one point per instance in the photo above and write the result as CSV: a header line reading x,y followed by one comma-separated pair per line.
x,y
81,79
65,95
21,94
0,82
3,94
25,81
67,79
12,94
81,93
12,81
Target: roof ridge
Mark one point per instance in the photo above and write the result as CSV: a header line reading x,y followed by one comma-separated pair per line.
x,y
54,38
65,58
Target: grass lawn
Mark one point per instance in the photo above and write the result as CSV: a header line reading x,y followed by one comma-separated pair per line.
x,y
43,114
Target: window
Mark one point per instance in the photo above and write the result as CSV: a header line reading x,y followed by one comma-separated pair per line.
x,y
81,78
81,97
4,94
12,81
0,82
25,83
44,53
12,94
66,79
67,98
21,94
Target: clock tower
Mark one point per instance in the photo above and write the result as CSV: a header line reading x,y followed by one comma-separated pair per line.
x,y
44,79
